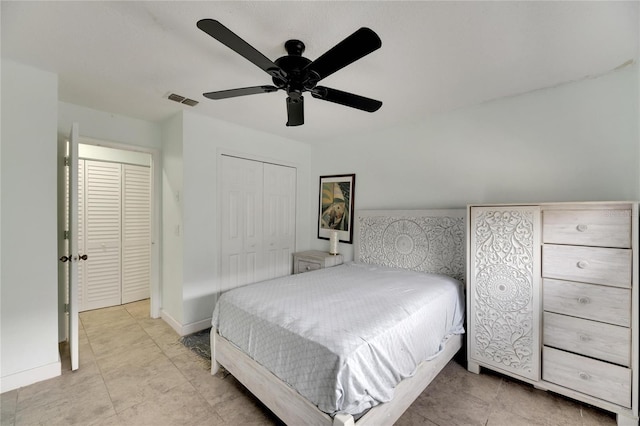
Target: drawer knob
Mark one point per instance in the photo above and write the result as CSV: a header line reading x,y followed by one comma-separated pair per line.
x,y
584,300
583,264
582,227
308,268
584,376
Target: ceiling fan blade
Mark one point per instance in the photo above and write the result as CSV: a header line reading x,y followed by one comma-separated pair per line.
x,y
232,93
346,99
359,44
227,37
295,111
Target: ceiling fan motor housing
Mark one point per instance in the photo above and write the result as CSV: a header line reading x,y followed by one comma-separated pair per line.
x,y
294,65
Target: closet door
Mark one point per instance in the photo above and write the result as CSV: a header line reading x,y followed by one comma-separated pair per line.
x,y
504,289
257,231
102,219
241,222
279,219
136,232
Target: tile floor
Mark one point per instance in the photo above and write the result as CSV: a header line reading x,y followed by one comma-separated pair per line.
x,y
134,371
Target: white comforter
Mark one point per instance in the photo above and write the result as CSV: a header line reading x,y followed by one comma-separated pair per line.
x,y
343,337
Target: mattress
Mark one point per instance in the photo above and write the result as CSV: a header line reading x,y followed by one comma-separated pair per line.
x,y
345,336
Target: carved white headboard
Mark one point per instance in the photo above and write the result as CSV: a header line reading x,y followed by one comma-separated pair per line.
x,y
420,240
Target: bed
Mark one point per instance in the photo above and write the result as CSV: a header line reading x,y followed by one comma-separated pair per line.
x,y
355,343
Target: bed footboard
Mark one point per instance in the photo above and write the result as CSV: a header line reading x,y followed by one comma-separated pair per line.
x,y
343,420
281,399
215,366
293,409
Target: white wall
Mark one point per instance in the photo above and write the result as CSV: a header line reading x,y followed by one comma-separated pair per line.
x,y
172,250
108,127
575,142
203,141
29,262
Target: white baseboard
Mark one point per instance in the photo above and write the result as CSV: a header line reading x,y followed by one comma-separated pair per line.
x,y
186,329
194,327
31,376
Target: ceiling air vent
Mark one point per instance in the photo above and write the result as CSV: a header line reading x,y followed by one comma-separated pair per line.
x,y
182,100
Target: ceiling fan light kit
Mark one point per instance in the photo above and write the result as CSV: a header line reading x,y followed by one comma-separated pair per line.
x,y
296,74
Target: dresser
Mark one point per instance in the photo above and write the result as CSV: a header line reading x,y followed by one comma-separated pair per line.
x,y
553,299
312,260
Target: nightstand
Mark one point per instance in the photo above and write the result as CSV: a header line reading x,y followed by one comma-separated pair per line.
x,y
312,260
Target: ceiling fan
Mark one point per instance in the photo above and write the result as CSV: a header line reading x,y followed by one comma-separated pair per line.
x,y
296,74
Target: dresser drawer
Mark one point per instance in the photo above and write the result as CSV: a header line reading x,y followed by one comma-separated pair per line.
x,y
608,266
313,260
596,378
306,266
595,302
602,228
591,338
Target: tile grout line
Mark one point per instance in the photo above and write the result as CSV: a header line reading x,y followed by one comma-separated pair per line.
x,y
187,379
104,382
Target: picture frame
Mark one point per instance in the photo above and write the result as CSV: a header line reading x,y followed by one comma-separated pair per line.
x,y
337,194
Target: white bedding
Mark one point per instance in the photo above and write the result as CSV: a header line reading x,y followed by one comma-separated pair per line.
x,y
343,337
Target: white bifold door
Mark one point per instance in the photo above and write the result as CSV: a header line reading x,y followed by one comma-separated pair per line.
x,y
257,221
114,231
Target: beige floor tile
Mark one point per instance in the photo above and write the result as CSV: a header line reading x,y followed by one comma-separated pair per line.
x,y
443,406
117,340
232,401
132,385
507,418
83,403
181,406
590,416
192,366
111,421
66,386
412,418
246,410
542,407
457,378
101,319
8,405
164,336
139,310
219,389
138,354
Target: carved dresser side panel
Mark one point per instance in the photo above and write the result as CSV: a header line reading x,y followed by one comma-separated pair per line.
x,y
504,289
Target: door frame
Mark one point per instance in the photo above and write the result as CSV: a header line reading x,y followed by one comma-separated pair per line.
x,y
155,290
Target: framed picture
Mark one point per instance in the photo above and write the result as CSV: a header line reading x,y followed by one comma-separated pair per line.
x,y
336,206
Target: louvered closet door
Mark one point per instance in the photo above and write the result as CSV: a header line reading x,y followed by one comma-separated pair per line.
x,y
279,219
103,230
136,232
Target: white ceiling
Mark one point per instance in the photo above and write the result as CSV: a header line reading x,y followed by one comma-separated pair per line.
x,y
125,57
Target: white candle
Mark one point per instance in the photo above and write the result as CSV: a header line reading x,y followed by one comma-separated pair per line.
x,y
333,242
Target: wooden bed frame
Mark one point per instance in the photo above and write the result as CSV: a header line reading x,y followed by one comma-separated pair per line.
x,y
421,240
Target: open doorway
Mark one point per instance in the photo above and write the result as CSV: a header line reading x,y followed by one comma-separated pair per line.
x,y
125,254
